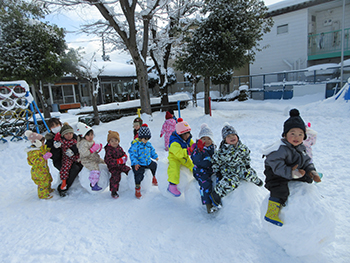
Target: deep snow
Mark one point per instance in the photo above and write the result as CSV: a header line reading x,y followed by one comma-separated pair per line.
x,y
85,227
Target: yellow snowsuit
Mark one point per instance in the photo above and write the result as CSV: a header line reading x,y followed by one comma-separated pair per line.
x,y
40,170
178,156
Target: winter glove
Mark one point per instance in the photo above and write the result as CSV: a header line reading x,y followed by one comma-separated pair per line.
x,y
200,145
57,144
314,175
69,153
96,147
122,160
161,135
57,136
297,173
190,149
64,185
47,155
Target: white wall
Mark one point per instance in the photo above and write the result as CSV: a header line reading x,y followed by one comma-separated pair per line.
x,y
302,90
291,46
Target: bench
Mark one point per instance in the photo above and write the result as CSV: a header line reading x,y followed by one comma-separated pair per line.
x,y
68,106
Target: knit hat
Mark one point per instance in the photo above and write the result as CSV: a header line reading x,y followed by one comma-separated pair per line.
x,y
113,134
83,129
34,138
138,120
206,132
66,128
294,121
144,132
227,130
168,115
182,126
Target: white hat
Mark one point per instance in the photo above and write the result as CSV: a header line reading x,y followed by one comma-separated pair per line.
x,y
83,129
206,131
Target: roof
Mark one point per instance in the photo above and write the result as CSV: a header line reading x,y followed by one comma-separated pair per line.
x,y
115,69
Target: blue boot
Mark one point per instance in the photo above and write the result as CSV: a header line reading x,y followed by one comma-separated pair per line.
x,y
95,187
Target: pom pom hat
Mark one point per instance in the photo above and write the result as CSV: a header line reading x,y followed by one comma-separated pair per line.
x,y
83,129
113,134
66,128
144,132
206,132
227,129
168,115
294,121
182,126
138,120
34,138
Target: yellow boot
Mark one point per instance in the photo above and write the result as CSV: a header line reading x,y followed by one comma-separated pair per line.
x,y
272,212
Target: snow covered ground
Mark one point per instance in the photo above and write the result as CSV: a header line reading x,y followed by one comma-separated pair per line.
x,y
85,227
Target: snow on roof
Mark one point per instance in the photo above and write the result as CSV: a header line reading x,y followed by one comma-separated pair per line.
x,y
116,69
285,4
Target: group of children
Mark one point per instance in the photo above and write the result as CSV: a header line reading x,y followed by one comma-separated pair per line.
x,y
218,171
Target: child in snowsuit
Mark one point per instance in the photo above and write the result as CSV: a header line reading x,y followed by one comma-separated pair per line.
x,y
88,151
310,140
137,125
69,149
201,156
231,163
115,158
55,126
167,129
38,153
141,153
287,160
179,151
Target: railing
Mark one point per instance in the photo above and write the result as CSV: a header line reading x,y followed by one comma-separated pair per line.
x,y
328,44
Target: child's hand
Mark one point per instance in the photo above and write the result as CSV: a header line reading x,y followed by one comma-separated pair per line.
x,y
57,136
69,153
200,145
161,135
96,147
122,160
47,155
157,158
314,175
190,149
137,166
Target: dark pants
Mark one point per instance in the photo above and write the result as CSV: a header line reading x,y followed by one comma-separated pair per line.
x,y
73,173
205,184
139,174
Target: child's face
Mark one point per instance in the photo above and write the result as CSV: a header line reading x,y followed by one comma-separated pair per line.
x,y
295,136
136,126
55,128
231,139
89,137
207,141
144,140
114,142
68,136
185,136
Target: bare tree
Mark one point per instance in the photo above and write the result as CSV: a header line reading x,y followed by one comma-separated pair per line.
x,y
128,20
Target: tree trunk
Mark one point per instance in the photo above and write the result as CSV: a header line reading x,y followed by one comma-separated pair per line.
x,y
94,104
42,99
194,85
206,94
142,79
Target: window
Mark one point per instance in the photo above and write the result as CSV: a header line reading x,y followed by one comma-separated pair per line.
x,y
282,29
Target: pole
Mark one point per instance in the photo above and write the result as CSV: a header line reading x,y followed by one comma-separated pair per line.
x,y
178,108
210,106
342,46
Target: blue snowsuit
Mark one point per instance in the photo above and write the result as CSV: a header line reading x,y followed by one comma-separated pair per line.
x,y
203,171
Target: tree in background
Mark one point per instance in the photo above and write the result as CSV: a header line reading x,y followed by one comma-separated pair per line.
x,y
228,38
224,78
30,49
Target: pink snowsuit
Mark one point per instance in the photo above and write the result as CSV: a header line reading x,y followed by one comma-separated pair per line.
x,y
168,128
310,141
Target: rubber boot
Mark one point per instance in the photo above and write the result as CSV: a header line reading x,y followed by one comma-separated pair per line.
x,y
154,181
138,192
64,185
172,188
273,210
95,187
215,198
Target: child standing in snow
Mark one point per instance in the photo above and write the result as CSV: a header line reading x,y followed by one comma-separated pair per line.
x,y
287,160
88,151
232,163
137,125
65,139
141,153
167,129
201,156
38,153
115,158
179,149
55,126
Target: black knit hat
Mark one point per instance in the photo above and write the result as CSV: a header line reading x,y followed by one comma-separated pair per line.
x,y
144,132
294,121
228,129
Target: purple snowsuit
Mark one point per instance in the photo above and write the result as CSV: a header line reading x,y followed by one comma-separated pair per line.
x,y
111,156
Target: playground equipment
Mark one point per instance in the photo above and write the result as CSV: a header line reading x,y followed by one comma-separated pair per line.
x,y
16,110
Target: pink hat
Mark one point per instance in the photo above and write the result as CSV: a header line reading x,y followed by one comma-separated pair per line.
x,y
182,126
34,138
